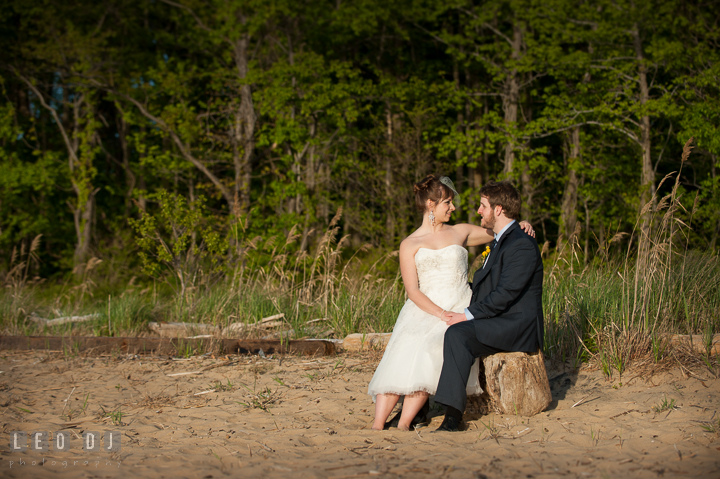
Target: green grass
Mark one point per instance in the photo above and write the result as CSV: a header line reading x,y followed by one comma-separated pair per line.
x,y
116,417
218,386
712,427
664,405
614,307
587,314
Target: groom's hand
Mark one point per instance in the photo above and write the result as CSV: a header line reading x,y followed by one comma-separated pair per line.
x,y
453,318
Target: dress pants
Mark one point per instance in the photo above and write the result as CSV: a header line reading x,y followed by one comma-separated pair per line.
x,y
460,349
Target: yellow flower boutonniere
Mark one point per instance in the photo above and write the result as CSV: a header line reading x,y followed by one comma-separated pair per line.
x,y
485,253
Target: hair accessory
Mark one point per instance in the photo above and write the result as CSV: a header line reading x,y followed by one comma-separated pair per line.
x,y
448,182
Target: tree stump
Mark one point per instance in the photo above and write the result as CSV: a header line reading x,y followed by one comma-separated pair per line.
x,y
513,383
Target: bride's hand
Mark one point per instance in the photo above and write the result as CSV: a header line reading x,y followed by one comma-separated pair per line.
x,y
527,227
451,318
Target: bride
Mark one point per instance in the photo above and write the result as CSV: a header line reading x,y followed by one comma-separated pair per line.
x,y
433,265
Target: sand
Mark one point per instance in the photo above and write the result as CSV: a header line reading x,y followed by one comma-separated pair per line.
x,y
299,417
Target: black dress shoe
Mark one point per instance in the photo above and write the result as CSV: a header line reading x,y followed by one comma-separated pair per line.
x,y
420,419
449,424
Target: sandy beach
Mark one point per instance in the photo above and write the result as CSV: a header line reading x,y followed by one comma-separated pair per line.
x,y
305,417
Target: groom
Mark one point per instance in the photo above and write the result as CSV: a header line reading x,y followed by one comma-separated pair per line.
x,y
505,311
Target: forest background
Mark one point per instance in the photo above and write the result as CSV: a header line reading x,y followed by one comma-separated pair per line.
x,y
223,161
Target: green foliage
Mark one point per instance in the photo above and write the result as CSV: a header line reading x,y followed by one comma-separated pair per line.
x,y
664,405
186,160
302,108
180,239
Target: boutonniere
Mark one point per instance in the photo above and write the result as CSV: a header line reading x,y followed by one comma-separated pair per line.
x,y
485,253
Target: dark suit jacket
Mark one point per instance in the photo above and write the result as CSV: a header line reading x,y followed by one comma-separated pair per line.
x,y
507,295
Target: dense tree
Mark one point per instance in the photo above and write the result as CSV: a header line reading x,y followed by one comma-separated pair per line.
x,y
279,113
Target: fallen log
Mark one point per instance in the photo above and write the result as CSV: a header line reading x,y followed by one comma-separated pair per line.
x,y
177,329
365,342
239,327
169,346
63,320
695,342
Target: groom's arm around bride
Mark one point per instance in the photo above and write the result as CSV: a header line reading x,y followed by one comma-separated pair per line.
x,y
505,311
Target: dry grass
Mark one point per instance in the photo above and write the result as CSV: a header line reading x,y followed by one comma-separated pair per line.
x,y
157,401
615,313
614,310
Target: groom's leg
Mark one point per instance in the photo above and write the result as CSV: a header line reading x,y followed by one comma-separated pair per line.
x,y
460,349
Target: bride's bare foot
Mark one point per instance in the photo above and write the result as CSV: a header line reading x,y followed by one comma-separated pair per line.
x,y
403,428
376,429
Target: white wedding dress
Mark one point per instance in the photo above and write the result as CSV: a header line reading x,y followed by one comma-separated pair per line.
x,y
414,356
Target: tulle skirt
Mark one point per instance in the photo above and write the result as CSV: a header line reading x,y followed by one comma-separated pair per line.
x,y
413,357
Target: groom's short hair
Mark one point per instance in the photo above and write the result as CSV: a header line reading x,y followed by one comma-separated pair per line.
x,y
503,193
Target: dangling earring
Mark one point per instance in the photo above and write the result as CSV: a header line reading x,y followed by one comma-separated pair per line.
x,y
432,218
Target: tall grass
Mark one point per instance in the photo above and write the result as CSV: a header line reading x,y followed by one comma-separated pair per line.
x,y
615,308
622,307
320,294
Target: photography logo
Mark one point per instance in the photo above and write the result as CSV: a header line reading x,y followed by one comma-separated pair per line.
x,y
62,441
43,441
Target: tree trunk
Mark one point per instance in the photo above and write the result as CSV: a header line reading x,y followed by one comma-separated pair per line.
x,y
527,193
713,162
568,213
459,170
528,189
79,165
310,183
82,216
511,98
476,180
389,203
130,179
245,126
647,179
588,215
478,177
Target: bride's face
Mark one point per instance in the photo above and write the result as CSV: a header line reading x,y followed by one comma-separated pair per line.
x,y
443,210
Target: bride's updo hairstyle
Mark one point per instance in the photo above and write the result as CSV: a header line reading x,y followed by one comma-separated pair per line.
x,y
430,188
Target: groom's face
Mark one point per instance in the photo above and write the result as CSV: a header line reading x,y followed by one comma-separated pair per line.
x,y
487,213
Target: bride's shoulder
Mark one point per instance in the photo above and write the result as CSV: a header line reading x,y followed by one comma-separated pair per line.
x,y
411,244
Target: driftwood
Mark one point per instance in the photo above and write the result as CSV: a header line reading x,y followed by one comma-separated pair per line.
x,y
370,341
63,320
171,346
194,330
265,323
241,327
181,330
513,383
